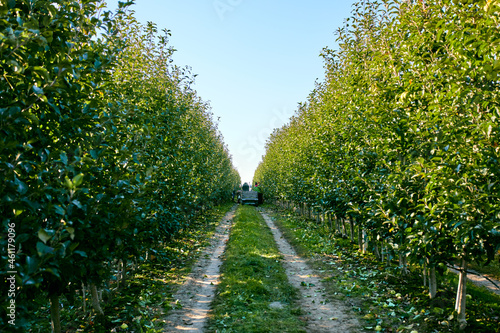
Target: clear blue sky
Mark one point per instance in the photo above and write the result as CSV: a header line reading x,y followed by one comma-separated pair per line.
x,y
255,59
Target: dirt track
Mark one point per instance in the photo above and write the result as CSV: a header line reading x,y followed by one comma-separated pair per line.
x,y
323,315
198,290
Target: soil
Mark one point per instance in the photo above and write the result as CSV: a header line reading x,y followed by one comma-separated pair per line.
x,y
198,291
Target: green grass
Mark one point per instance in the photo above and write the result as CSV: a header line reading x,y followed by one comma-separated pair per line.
x,y
380,295
252,278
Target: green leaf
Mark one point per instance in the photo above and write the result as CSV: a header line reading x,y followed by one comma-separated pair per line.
x,y
53,271
439,34
37,90
71,232
64,158
43,72
77,203
15,66
94,153
32,263
81,253
68,183
22,238
43,249
438,311
44,236
59,210
22,188
78,180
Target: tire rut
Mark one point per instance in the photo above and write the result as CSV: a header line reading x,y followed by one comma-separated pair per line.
x,y
323,315
198,291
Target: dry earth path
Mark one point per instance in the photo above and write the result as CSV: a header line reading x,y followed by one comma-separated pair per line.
x,y
489,283
198,291
323,315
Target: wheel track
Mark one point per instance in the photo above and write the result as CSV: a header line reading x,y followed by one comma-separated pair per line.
x,y
323,315
198,291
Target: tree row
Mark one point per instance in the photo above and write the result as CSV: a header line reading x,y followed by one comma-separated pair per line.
x,y
106,151
402,136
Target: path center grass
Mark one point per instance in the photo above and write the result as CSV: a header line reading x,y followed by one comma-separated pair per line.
x,y
254,294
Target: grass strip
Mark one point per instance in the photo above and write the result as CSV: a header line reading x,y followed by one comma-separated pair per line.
x,y
254,294
386,300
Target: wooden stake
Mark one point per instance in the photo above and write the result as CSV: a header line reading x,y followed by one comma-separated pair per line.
x,y
432,282
55,313
95,299
462,295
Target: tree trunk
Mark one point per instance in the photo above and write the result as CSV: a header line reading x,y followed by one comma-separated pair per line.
x,y
360,238
118,274
95,300
351,222
382,251
365,241
432,282
388,254
425,274
55,313
462,295
124,274
403,263
377,252
84,299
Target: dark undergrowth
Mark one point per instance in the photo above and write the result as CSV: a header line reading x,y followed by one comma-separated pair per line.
x,y
143,303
